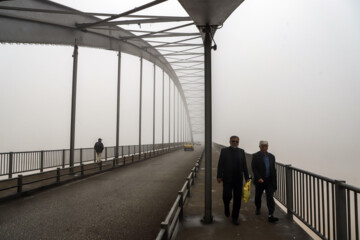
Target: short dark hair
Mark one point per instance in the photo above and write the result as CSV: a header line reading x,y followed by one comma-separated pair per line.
x,y
234,137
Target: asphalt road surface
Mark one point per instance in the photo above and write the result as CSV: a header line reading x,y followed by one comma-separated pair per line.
x,y
127,203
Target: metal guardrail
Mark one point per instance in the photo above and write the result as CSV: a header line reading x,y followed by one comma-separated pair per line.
x,y
20,162
13,187
175,214
328,207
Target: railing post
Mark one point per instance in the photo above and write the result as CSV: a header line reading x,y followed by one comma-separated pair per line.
x,y
165,226
340,209
58,175
122,151
82,169
42,161
188,186
63,158
105,153
94,156
193,176
181,205
289,191
10,164
20,183
81,156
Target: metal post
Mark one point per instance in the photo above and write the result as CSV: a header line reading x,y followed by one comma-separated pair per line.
x,y
184,122
178,116
169,110
10,164
58,175
289,191
118,109
181,205
208,218
174,115
20,183
140,104
162,121
63,158
181,121
73,108
154,108
340,208
42,161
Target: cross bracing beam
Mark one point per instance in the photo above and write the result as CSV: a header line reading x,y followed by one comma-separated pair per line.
x,y
178,51
191,75
196,79
162,31
182,54
70,12
176,42
179,45
189,69
189,66
164,35
145,21
86,25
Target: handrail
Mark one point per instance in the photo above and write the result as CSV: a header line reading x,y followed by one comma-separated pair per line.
x,y
27,161
14,187
327,206
175,214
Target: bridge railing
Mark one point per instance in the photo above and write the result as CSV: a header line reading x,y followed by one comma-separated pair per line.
x,y
330,208
175,215
21,162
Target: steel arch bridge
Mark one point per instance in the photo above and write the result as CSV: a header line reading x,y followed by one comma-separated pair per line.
x,y
182,51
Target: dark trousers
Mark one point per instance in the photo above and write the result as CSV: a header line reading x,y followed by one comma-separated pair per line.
x,y
269,190
230,190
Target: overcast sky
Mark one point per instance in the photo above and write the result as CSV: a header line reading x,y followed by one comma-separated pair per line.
x,y
285,71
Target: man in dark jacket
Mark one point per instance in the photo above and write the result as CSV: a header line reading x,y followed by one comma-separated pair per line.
x,y
99,147
231,168
263,166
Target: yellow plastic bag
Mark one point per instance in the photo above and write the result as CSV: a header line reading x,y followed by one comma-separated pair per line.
x,y
246,191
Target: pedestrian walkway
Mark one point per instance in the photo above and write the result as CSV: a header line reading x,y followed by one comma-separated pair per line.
x,y
124,204
252,227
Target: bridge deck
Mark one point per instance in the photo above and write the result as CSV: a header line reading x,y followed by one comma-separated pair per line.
x,y
126,203
251,226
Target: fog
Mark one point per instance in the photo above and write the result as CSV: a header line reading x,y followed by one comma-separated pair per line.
x,y
288,72
285,71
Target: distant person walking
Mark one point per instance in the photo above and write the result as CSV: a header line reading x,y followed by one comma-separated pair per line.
x,y
99,147
231,168
263,166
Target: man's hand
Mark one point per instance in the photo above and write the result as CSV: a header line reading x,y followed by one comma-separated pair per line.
x,y
261,180
219,180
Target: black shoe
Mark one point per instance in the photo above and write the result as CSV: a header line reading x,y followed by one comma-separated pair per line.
x,y
272,219
235,222
257,212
